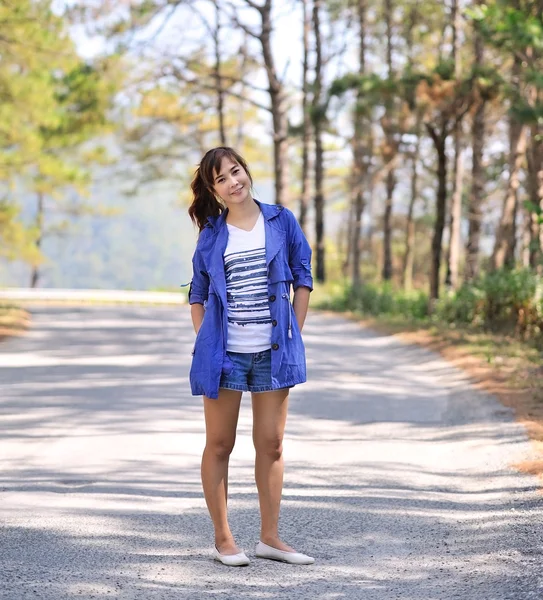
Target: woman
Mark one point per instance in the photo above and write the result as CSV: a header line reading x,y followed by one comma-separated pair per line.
x,y
248,337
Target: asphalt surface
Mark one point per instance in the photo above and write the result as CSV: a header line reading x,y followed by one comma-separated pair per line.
x,y
398,472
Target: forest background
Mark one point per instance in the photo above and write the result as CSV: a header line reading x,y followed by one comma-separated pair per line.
x,y
406,136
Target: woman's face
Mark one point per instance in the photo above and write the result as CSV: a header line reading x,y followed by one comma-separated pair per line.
x,y
231,183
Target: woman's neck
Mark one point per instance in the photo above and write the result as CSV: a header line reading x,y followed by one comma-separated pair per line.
x,y
243,214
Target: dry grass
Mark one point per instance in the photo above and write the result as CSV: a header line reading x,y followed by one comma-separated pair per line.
x,y
13,320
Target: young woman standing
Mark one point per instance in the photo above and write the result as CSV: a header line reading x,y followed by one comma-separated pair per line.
x,y
248,337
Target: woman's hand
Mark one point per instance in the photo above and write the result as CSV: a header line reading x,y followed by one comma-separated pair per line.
x,y
300,305
197,314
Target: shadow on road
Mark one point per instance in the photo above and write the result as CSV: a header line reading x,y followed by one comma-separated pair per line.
x,y
387,479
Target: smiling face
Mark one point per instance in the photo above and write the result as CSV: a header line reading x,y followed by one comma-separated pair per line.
x,y
232,183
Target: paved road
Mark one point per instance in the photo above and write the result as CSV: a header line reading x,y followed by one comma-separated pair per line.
x,y
398,476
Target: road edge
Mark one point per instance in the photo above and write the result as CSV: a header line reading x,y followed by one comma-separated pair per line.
x,y
481,374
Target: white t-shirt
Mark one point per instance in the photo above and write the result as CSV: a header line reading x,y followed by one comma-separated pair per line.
x,y
249,319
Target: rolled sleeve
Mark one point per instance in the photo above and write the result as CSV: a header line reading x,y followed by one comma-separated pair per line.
x,y
199,286
299,256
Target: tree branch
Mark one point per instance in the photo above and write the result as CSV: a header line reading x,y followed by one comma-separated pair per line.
x,y
206,86
254,5
234,80
238,23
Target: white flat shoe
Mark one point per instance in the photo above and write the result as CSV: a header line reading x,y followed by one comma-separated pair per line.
x,y
231,560
293,558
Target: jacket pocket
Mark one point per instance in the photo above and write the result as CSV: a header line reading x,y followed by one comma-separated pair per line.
x,y
279,270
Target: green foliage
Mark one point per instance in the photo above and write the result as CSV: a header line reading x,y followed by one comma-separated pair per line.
x,y
519,32
378,300
33,45
508,27
341,85
16,240
445,69
488,80
83,97
410,81
51,103
503,300
507,301
372,87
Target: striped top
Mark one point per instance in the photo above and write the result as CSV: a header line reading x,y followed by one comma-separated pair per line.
x,y
249,319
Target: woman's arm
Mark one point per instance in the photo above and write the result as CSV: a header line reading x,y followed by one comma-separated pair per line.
x,y
300,304
197,314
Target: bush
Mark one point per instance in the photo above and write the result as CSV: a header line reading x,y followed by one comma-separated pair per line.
x,y
381,300
503,300
507,301
465,306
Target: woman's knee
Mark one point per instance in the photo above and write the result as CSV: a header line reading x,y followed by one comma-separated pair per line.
x,y
271,447
221,449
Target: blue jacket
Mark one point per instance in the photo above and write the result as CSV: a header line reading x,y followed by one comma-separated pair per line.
x,y
288,259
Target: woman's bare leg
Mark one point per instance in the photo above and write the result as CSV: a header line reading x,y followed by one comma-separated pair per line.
x,y
221,418
269,419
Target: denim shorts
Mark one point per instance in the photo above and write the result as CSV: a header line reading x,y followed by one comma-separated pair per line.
x,y
251,372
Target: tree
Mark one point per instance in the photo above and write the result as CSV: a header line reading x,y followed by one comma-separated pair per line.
x,y
278,96
360,152
476,197
389,148
83,96
455,212
446,102
305,193
517,29
412,22
33,44
506,234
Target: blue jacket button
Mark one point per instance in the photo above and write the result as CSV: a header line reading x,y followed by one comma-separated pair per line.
x,y
272,298
275,346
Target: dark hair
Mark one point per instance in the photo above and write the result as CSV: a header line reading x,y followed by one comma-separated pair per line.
x,y
205,204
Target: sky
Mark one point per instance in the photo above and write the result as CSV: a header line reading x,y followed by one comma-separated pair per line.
x,y
184,30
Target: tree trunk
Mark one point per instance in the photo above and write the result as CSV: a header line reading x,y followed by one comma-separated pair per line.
x,y
510,257
217,74
390,154
280,147
319,208
535,249
359,168
506,234
526,236
278,103
39,222
535,190
345,237
369,208
410,232
319,151
475,213
387,227
408,259
244,52
306,134
455,217
441,206
538,159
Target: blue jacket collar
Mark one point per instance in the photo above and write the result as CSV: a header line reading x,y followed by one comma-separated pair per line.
x,y
215,243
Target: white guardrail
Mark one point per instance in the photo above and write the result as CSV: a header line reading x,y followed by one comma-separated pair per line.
x,y
29,295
